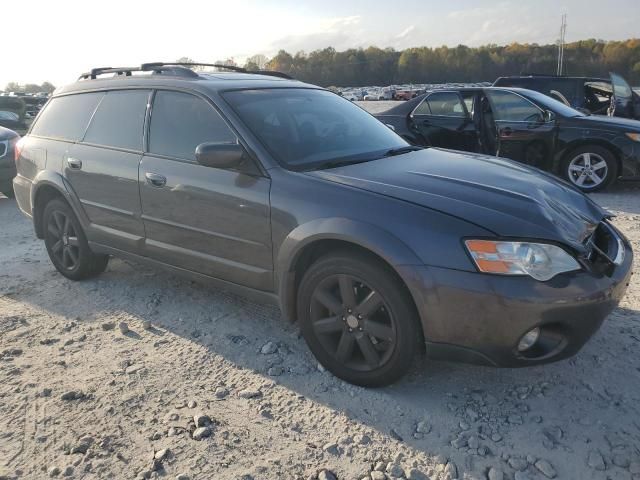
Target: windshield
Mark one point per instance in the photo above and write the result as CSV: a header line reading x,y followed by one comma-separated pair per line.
x,y
554,105
306,129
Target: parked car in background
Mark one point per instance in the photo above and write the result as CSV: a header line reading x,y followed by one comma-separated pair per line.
x,y
8,140
589,151
289,192
12,113
599,96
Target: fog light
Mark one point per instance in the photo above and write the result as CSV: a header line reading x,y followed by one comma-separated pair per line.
x,y
529,339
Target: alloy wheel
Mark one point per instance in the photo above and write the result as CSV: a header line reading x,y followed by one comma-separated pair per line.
x,y
588,170
63,240
353,322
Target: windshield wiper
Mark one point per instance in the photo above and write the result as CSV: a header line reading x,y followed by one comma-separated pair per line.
x,y
401,150
340,163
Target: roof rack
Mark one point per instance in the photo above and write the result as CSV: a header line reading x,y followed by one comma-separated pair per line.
x,y
172,68
273,73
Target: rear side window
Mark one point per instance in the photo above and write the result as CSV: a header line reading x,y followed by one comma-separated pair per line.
x,y
119,120
67,117
446,104
181,121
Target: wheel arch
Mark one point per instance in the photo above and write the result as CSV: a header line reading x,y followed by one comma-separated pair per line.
x,y
572,146
308,242
47,186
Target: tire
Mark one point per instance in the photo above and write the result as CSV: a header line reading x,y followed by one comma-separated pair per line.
x,y
586,157
372,349
67,244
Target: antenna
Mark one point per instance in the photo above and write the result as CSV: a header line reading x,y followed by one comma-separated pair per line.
x,y
561,42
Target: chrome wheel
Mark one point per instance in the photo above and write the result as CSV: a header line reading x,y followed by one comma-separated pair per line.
x,y
63,240
588,170
352,322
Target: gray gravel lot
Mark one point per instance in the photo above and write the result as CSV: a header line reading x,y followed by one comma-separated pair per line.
x,y
208,385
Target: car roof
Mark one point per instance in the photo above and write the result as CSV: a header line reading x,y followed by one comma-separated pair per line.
x,y
203,82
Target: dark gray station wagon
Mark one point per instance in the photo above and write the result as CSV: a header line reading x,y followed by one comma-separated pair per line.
x,y
284,190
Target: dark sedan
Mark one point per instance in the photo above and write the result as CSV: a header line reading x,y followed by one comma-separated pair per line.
x,y
8,139
589,151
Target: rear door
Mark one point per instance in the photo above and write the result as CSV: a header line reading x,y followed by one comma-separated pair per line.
x,y
204,219
624,102
444,121
522,131
103,169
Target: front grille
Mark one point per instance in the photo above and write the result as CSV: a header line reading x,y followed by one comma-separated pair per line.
x,y
3,148
605,249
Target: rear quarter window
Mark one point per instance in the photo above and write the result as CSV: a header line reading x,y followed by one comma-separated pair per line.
x,y
66,118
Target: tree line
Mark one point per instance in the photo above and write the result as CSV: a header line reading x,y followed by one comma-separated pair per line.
x,y
376,66
29,87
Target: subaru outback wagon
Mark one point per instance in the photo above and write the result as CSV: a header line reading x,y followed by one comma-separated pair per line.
x,y
286,191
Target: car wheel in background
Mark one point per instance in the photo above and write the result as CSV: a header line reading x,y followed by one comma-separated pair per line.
x,y
590,168
67,245
358,319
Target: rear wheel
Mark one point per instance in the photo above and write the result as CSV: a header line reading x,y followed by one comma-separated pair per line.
x,y
357,319
67,245
590,168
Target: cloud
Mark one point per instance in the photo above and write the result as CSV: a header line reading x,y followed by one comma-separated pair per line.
x,y
406,31
338,32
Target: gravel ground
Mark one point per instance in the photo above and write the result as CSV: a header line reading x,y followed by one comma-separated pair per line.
x,y
139,374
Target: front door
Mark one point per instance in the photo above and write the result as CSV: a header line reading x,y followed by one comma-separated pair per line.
x,y
103,169
524,132
208,220
444,121
624,103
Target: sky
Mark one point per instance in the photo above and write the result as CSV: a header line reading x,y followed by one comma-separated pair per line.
x,y
67,37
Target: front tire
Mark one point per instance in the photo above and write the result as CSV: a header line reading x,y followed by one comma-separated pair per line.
x,y
358,319
67,244
590,168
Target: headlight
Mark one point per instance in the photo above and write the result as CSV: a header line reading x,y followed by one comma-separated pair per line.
x,y
538,260
633,136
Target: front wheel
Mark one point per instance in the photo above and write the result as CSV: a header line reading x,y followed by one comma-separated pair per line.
x,y
67,245
590,168
358,319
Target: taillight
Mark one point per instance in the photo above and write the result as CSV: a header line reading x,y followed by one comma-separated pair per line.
x,y
17,148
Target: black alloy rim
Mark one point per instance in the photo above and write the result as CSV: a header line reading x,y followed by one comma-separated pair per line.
x,y
352,322
63,240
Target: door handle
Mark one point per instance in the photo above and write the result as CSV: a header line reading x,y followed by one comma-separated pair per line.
x,y
74,163
156,179
426,122
506,131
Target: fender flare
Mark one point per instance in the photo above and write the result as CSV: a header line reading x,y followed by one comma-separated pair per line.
x,y
47,178
365,235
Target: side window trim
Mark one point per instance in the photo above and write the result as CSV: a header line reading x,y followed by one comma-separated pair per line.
x,y
93,114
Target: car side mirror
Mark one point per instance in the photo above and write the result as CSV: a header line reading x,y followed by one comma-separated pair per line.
x,y
219,155
549,116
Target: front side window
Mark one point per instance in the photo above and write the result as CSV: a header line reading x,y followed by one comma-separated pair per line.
x,y
181,121
508,106
446,104
66,118
119,120
307,128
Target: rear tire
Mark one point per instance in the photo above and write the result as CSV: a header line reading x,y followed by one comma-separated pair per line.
x,y
67,244
590,168
358,319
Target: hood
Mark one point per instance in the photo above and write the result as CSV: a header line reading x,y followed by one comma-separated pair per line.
x,y
505,197
619,123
